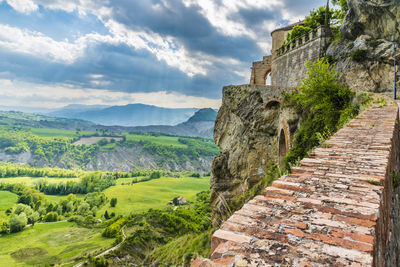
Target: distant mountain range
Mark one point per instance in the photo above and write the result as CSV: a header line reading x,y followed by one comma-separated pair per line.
x,y
200,124
128,115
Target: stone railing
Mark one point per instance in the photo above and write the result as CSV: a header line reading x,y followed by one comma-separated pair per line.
x,y
339,207
320,32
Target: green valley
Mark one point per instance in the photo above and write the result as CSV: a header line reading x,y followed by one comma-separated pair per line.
x,y
67,229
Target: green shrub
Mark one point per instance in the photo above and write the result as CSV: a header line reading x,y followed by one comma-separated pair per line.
x,y
113,202
350,45
323,106
358,55
51,217
18,222
297,32
371,42
113,229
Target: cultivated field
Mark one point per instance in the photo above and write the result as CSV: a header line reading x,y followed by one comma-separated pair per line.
x,y
152,194
159,140
48,132
50,243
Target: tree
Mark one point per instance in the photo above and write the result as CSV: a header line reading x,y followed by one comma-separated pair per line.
x,y
18,222
113,202
3,227
155,175
176,201
106,216
33,218
51,217
83,208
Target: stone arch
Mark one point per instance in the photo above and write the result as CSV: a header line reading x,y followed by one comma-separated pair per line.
x,y
272,102
283,142
260,71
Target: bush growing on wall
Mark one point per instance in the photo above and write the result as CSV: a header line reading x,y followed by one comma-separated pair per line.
x,y
324,106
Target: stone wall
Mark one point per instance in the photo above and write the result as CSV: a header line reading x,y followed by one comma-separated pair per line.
x,y
289,67
248,127
339,207
260,70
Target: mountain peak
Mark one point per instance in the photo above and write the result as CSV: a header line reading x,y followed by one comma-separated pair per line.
x,y
204,114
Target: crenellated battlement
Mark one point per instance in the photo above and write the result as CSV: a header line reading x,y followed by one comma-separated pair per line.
x,y
287,63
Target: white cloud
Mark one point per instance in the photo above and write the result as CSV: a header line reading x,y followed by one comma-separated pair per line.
x,y
164,48
23,6
40,45
96,7
17,93
96,76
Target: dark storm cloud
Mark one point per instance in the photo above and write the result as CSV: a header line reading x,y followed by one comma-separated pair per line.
x,y
186,24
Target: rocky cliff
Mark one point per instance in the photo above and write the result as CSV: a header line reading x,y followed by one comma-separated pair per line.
x,y
365,53
249,125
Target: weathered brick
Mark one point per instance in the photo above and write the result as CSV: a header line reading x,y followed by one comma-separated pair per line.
x,y
326,212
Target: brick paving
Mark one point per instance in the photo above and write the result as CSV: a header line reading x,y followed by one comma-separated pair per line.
x,y
332,210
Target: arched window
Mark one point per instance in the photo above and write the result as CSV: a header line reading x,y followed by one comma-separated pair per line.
x,y
268,78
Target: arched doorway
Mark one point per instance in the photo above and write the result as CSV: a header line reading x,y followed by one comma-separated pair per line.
x,y
282,146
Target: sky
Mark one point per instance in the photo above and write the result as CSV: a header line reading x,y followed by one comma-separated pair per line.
x,y
168,53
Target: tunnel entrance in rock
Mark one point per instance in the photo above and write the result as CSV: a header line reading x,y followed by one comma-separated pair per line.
x,y
282,146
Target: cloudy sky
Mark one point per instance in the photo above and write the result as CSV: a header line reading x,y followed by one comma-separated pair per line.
x,y
169,53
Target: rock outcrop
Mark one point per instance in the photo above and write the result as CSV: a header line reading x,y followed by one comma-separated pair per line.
x,y
365,54
249,125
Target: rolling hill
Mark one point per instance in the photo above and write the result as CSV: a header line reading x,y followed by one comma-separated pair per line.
x,y
128,115
200,124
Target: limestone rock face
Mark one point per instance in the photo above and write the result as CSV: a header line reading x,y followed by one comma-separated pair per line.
x,y
365,56
247,130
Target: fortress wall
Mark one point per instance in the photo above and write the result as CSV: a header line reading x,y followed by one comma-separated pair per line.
x,y
339,207
289,68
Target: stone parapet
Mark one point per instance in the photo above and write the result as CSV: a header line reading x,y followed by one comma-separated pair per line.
x,y
289,67
339,207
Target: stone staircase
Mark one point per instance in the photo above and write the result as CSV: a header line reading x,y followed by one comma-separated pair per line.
x,y
332,210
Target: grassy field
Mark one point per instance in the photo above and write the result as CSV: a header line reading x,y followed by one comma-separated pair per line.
x,y
51,243
152,194
47,132
30,181
7,200
160,140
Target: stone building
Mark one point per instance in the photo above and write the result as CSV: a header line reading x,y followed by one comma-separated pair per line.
x,y
287,64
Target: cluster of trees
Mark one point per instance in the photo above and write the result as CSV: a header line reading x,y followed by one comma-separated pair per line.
x,y
15,140
114,227
32,207
90,182
165,154
153,175
18,170
95,182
